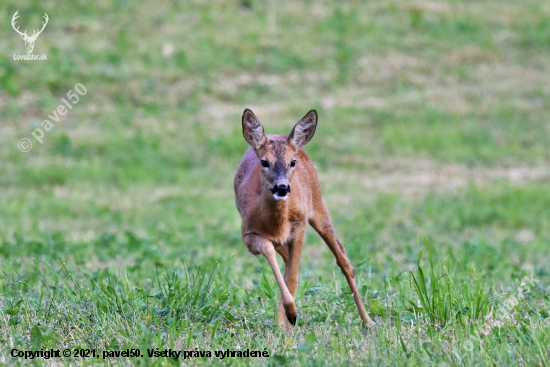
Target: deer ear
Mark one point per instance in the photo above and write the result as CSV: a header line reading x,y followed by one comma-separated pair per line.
x,y
304,130
253,130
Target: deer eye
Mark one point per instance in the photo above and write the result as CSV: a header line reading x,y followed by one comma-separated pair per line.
x,y
292,164
265,164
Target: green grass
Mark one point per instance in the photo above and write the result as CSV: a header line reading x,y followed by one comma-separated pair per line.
x,y
120,230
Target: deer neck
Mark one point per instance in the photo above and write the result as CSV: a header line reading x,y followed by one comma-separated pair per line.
x,y
273,211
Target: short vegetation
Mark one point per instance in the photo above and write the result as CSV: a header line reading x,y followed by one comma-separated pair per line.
x,y
433,150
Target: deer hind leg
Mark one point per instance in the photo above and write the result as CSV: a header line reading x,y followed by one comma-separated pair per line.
x,y
322,223
259,245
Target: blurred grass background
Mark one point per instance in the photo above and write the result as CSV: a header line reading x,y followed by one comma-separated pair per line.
x,y
433,134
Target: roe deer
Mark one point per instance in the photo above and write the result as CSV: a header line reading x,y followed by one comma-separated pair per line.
x,y
277,193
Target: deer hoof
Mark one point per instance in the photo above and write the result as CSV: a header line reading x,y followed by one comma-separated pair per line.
x,y
290,312
291,319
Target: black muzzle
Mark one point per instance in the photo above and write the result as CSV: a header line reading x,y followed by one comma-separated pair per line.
x,y
281,190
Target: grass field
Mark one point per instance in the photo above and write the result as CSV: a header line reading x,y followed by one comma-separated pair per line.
x,y
433,150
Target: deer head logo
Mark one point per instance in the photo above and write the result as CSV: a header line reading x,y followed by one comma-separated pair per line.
x,y
29,40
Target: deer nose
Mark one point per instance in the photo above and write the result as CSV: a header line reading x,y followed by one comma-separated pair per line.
x,y
281,190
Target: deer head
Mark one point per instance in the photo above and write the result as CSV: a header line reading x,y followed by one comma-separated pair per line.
x,y
29,40
278,157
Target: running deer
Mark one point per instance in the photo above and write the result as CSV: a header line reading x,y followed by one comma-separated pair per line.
x,y
277,193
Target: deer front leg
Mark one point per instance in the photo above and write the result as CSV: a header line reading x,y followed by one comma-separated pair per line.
x,y
293,251
295,247
281,313
257,245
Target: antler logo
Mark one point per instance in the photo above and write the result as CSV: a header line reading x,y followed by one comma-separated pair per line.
x,y
29,40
